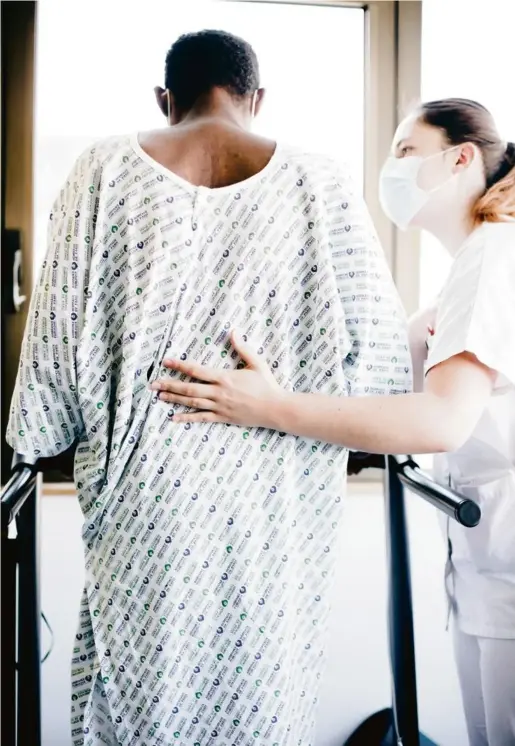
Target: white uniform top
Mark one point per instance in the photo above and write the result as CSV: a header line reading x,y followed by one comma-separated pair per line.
x,y
209,549
476,313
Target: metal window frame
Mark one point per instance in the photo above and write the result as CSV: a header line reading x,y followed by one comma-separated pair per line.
x,y
406,246
393,36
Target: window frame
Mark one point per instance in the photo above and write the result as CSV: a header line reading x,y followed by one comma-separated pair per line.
x,y
393,43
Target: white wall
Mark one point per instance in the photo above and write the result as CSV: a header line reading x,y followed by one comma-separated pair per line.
x,y
357,681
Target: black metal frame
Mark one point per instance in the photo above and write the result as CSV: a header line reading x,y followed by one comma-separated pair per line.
x,y
398,725
21,615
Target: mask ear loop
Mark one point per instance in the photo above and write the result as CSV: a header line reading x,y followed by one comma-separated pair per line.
x,y
452,176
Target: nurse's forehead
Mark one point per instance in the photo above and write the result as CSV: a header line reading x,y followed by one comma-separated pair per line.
x,y
405,130
413,130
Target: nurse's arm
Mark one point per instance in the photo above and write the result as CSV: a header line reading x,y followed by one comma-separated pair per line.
x,y
440,419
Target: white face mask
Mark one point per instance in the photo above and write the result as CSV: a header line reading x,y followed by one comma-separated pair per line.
x,y
399,193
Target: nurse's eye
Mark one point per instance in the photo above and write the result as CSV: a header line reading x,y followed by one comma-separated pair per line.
x,y
406,150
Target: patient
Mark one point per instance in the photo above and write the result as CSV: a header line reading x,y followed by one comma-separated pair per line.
x,y
209,550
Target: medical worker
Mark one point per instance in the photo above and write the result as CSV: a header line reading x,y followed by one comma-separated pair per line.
x,y
452,174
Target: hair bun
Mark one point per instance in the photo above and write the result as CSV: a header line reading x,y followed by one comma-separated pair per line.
x,y
509,156
506,165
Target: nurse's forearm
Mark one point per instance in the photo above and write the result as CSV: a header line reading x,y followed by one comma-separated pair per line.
x,y
412,423
440,419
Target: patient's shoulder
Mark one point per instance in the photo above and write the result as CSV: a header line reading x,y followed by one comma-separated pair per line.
x,y
319,169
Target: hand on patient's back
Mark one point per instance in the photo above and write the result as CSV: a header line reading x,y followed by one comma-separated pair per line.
x,y
421,325
421,328
239,397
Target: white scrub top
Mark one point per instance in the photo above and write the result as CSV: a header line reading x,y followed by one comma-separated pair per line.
x,y
476,314
209,549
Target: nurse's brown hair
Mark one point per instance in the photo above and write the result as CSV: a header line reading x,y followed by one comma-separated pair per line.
x,y
464,121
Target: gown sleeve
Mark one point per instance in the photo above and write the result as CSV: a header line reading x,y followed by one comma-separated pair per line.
x,y
379,361
45,417
476,311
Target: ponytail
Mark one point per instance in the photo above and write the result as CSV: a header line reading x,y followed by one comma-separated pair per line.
x,y
497,205
465,121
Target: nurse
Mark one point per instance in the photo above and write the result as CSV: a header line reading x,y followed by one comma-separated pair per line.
x,y
451,174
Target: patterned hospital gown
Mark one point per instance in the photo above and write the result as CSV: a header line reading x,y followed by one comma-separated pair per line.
x,y
209,549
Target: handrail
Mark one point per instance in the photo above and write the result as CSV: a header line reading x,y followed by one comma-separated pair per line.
x,y
16,492
463,510
21,613
399,724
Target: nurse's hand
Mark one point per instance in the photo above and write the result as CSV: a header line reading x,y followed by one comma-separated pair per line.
x,y
240,397
420,328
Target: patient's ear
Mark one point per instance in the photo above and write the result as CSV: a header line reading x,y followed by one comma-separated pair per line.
x,y
162,100
259,100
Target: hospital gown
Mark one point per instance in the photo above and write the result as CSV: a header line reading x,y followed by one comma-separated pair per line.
x,y
209,549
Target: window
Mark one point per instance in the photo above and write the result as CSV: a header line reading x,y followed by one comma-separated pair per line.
x,y
467,54
97,65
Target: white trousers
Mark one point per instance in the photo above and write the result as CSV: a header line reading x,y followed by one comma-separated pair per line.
x,y
486,670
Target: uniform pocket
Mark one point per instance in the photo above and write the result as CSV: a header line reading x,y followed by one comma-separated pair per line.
x,y
491,544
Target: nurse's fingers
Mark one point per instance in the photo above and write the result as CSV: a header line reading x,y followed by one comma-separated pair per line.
x,y
193,370
245,351
184,388
199,417
191,402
